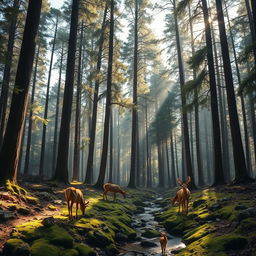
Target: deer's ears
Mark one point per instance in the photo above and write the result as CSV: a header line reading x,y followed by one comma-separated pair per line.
x,y
179,182
188,180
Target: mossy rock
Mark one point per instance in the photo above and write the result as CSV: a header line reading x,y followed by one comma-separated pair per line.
x,y
58,236
150,233
111,250
32,200
227,242
41,247
247,226
85,250
16,247
70,252
99,238
29,231
198,232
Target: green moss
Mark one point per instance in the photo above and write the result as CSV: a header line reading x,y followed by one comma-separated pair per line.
x,y
70,252
150,233
11,247
111,249
226,243
52,207
84,250
99,238
58,236
247,226
15,189
29,231
197,233
41,247
32,200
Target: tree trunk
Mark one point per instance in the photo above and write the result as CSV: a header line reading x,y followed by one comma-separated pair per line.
x,y
41,167
30,122
104,154
218,168
88,177
197,129
76,163
253,5
7,71
173,169
10,152
110,178
57,112
183,102
132,182
239,158
246,138
63,147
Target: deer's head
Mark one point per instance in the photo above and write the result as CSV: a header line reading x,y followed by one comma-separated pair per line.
x,y
84,205
184,184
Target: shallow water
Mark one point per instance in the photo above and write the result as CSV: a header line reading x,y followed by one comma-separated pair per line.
x,y
144,221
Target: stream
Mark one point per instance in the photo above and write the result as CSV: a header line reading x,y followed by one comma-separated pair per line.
x,y
143,221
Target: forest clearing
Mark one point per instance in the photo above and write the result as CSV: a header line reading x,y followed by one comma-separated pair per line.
x,y
127,127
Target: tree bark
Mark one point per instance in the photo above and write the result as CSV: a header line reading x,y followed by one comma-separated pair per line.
x,y
41,167
7,72
104,154
10,152
57,112
30,123
88,177
183,102
218,168
76,162
63,147
132,182
239,158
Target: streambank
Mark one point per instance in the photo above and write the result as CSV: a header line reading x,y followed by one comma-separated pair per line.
x,y
148,231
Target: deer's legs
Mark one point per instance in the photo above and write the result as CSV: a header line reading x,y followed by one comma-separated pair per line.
x,y
76,209
68,210
71,206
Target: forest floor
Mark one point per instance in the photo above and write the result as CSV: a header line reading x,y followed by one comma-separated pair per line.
x,y
221,221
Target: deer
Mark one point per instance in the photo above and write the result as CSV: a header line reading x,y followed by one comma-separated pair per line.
x,y
109,187
75,195
163,242
182,195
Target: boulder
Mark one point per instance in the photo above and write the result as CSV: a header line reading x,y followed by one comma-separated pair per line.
x,y
148,244
7,215
248,213
23,211
48,222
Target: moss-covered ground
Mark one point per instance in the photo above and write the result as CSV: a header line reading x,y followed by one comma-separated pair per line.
x,y
215,224
96,230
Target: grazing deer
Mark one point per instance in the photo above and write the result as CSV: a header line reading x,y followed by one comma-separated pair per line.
x,y
163,242
75,195
182,195
108,187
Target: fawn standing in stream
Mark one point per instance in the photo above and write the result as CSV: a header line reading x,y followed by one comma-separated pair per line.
x,y
163,242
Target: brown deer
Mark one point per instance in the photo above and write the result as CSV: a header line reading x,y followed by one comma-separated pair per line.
x,y
108,187
182,195
163,242
75,195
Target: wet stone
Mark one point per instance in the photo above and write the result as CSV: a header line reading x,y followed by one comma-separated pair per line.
x,y
148,244
23,211
6,215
